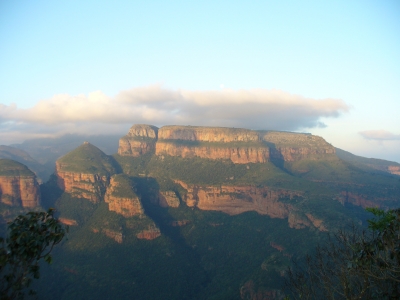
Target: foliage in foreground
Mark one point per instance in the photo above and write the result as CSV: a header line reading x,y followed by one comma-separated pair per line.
x,y
31,237
353,264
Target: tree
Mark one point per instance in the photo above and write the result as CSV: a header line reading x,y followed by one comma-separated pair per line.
x,y
353,264
31,237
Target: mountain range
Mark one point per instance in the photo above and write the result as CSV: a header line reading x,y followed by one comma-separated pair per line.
x,y
186,212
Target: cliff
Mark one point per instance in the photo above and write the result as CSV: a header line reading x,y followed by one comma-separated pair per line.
x,y
290,146
85,172
121,197
139,140
241,146
18,185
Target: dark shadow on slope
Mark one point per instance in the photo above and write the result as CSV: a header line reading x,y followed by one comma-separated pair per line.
x,y
276,157
148,190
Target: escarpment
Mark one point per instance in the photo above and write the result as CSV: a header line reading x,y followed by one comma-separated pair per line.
x,y
139,140
85,172
241,146
235,200
290,147
18,185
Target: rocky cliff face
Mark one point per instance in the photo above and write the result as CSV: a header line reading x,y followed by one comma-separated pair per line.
x,y
207,134
81,185
235,200
290,147
241,146
168,198
85,172
18,185
139,140
121,198
237,154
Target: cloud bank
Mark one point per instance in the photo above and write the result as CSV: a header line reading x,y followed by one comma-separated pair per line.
x,y
380,135
97,113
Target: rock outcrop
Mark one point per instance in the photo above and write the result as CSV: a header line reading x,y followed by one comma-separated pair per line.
x,y
140,140
168,198
394,170
18,185
236,153
85,172
234,200
289,146
121,197
151,233
241,146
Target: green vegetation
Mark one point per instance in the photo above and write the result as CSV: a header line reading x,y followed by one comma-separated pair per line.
x,y
10,167
354,264
88,159
31,238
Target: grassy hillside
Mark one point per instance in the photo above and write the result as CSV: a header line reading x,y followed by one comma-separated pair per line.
x,y
88,159
10,167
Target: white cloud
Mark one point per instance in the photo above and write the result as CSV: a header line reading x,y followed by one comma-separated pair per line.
x,y
380,135
97,113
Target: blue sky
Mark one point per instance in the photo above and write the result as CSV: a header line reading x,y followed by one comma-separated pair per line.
x,y
331,68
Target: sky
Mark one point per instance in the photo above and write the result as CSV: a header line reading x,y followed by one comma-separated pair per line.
x,y
331,68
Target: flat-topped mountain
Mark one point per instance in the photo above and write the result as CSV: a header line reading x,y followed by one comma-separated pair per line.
x,y
241,146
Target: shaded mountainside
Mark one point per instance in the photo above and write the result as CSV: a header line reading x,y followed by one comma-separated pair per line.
x,y
185,212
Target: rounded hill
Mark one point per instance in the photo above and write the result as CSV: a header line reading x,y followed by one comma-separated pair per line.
x,y
9,167
87,159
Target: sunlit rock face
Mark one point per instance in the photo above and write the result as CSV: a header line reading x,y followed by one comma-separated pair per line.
x,y
121,198
139,140
151,233
85,172
18,185
394,170
241,146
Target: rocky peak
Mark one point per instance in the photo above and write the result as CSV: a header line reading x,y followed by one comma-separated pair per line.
x,y
85,172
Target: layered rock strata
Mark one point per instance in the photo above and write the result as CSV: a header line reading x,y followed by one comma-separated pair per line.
x,y
81,185
140,140
241,146
121,198
85,172
18,185
235,200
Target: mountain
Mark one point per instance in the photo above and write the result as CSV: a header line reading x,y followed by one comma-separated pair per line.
x,y
184,212
18,185
23,157
45,151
